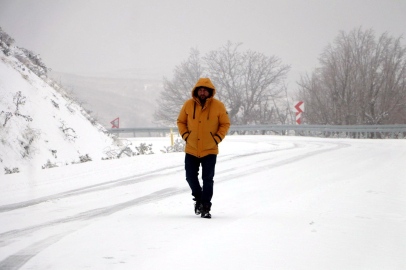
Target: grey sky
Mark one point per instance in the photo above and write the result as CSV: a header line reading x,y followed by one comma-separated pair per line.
x,y
93,36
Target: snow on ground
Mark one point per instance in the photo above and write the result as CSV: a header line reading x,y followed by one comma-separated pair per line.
x,y
279,203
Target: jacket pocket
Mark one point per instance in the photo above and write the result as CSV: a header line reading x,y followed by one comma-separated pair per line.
x,y
187,135
213,138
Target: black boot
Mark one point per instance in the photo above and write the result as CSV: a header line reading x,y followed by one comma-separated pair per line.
x,y
198,206
205,211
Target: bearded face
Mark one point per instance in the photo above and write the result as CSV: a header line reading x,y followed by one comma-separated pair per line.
x,y
203,93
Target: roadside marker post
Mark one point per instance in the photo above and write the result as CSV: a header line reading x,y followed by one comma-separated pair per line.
x,y
171,138
299,110
115,123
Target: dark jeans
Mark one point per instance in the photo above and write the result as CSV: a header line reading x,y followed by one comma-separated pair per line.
x,y
192,165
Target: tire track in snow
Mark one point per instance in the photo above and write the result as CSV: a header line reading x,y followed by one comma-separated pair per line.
x,y
155,196
122,182
84,190
279,163
18,259
92,214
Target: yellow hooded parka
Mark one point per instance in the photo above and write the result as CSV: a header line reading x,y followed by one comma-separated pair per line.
x,y
203,128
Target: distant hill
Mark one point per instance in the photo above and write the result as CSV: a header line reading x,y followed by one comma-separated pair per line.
x,y
133,100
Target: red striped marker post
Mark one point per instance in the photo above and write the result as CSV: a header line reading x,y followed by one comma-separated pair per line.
x,y
299,110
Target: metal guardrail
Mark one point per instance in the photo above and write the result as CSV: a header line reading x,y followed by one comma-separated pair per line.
x,y
342,131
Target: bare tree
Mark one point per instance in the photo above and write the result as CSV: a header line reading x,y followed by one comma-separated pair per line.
x,y
262,77
178,90
361,80
284,111
225,68
245,81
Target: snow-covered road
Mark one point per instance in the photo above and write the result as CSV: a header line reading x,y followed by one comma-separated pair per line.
x,y
279,203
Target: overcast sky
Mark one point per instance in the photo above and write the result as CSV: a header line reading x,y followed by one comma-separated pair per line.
x,y
93,36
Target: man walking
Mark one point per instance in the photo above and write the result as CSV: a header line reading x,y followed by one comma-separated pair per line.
x,y
203,123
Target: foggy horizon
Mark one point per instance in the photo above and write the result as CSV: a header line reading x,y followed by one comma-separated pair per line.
x,y
99,37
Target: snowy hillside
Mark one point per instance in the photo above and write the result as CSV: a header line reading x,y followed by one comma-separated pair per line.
x,y
41,127
288,203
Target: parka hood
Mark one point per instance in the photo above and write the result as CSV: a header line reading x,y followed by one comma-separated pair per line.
x,y
204,82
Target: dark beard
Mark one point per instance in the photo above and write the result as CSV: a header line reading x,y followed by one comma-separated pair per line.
x,y
202,100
